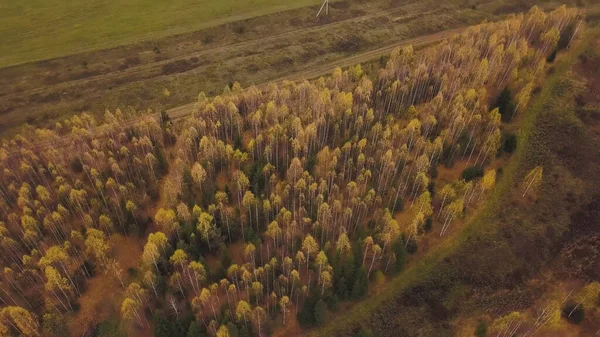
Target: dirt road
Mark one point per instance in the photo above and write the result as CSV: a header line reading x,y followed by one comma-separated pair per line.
x,y
184,110
142,71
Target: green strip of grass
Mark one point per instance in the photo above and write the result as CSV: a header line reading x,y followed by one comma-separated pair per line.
x,y
483,221
41,29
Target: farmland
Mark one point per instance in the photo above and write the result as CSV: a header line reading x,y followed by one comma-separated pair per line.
x,y
250,51
38,30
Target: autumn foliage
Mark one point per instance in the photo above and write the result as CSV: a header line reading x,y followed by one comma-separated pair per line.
x,y
304,177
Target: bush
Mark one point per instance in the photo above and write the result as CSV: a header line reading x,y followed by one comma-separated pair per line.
x,y
54,325
208,38
365,332
351,44
162,326
333,303
412,247
509,144
76,165
169,327
196,330
398,206
306,316
361,284
233,330
311,162
320,312
341,288
378,278
239,29
552,56
428,225
344,277
187,190
574,313
565,36
481,330
162,163
110,328
446,157
225,256
505,105
433,171
400,251
472,172
431,189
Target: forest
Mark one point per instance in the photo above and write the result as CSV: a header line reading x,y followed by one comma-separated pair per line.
x,y
269,206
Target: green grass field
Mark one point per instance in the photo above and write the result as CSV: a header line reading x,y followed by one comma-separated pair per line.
x,y
36,30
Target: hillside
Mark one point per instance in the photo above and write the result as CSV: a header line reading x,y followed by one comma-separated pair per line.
x,y
431,197
511,269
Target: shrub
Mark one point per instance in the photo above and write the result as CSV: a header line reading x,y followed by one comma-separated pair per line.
x,y
196,330
306,317
187,190
565,36
400,251
233,330
239,29
505,105
552,56
333,303
162,326
431,188
378,277
365,332
344,277
433,171
311,162
472,172
162,163
412,246
428,225
574,313
208,38
225,256
351,44
76,165
110,328
320,312
398,206
54,325
509,143
481,330
361,284
169,327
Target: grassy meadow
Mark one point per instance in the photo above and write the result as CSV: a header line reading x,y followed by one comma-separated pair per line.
x,y
35,29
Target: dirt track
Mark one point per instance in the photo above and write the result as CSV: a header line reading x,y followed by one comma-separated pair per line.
x,y
183,110
155,67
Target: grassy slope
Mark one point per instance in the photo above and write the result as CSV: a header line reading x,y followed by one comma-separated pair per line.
x,y
41,29
485,222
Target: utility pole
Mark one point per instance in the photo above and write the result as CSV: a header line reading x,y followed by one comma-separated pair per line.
x,y
326,5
